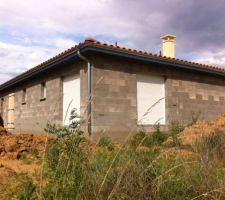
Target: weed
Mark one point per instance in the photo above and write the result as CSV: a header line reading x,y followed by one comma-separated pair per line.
x,y
194,118
148,140
211,147
137,139
33,152
158,136
104,141
175,129
137,170
27,191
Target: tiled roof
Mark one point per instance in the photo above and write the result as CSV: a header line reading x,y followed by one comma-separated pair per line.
x,y
156,56
90,42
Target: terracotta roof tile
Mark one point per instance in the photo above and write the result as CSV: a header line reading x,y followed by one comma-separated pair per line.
x,y
92,42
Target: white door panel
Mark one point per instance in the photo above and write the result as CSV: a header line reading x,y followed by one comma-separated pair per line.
x,y
71,96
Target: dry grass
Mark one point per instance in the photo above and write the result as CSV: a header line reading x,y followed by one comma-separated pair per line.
x,y
146,167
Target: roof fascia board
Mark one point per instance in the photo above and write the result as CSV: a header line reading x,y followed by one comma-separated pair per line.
x,y
153,60
85,49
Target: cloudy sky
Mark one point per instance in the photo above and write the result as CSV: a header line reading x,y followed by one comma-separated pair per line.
x,y
32,31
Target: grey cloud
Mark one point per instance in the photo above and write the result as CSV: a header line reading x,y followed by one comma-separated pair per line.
x,y
199,25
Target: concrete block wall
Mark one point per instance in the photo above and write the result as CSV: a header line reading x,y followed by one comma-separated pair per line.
x,y
114,104
36,113
187,93
203,96
5,108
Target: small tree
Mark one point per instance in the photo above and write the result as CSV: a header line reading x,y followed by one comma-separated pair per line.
x,y
62,131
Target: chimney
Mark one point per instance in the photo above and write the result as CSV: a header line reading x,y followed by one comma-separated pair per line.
x,y
168,46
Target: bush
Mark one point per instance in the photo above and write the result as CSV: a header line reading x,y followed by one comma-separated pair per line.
x,y
66,162
148,140
104,141
158,136
137,139
61,131
139,169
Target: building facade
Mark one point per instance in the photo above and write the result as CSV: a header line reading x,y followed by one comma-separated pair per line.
x,y
116,91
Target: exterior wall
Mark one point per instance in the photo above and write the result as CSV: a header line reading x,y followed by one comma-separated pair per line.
x,y
35,113
186,93
114,102
114,98
5,109
203,95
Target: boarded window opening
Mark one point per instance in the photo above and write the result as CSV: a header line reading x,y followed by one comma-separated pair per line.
x,y
24,96
43,91
150,99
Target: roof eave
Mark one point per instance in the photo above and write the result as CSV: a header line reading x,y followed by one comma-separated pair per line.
x,y
130,55
154,60
48,66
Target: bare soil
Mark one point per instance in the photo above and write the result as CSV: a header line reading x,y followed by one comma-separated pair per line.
x,y
19,154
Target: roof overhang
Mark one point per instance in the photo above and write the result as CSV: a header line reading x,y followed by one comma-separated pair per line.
x,y
153,60
116,52
28,76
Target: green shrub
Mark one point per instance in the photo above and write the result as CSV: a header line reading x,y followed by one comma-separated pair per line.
x,y
131,171
155,138
65,163
104,141
148,140
158,136
137,139
61,131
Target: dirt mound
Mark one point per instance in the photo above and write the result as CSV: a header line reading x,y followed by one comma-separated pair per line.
x,y
3,131
20,154
202,129
6,171
12,145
